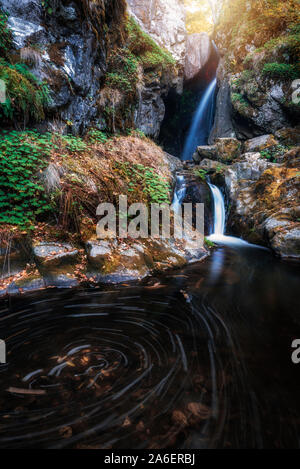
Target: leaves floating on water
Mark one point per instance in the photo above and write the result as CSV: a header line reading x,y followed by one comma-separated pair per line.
x,y
29,392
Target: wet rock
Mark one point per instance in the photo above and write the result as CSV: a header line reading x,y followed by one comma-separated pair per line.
x,y
286,243
212,166
50,255
198,51
228,149
289,135
265,201
203,152
31,283
260,143
99,252
61,280
14,256
224,125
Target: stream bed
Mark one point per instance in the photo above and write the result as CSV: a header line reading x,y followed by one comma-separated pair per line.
x,y
196,358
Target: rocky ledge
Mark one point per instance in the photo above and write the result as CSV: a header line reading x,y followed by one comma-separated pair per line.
x,y
29,265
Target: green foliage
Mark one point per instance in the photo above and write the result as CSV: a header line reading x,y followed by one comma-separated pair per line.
x,y
209,243
143,178
96,136
5,35
22,155
123,71
146,50
274,153
238,98
280,71
72,143
201,173
26,96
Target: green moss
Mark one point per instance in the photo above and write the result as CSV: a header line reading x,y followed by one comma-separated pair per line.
x,y
123,71
143,179
238,98
146,50
281,71
5,35
25,95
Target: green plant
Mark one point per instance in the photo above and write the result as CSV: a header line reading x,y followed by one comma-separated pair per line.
x,y
280,71
5,35
146,50
73,144
22,156
123,71
209,243
238,98
25,95
96,136
201,173
274,153
143,179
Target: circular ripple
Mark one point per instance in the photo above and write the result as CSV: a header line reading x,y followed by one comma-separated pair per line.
x,y
95,369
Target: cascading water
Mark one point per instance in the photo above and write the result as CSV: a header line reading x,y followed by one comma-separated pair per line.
x,y
202,122
218,235
219,208
179,194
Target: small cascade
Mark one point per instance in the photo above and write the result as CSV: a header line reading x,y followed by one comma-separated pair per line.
x,y
218,235
219,211
179,194
202,122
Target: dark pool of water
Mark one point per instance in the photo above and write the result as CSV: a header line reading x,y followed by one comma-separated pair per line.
x,y
198,358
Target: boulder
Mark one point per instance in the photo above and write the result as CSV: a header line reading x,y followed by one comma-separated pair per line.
x,y
53,255
228,149
99,252
198,51
289,135
211,165
260,143
203,152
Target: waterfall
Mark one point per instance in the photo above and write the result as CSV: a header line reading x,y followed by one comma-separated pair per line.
x,y
218,236
219,211
202,122
179,194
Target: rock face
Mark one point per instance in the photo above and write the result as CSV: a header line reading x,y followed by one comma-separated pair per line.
x,y
73,60
256,72
150,111
198,51
164,20
75,39
223,124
